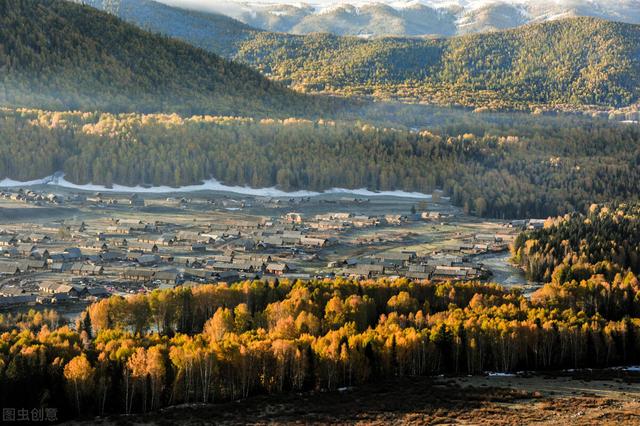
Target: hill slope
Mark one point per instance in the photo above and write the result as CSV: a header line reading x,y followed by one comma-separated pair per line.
x,y
574,61
210,31
61,55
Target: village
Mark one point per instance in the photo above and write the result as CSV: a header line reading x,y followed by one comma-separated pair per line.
x,y
93,245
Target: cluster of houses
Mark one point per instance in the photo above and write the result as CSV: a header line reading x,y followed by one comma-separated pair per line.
x,y
131,255
345,221
50,292
527,224
437,267
29,196
454,262
73,260
481,244
80,199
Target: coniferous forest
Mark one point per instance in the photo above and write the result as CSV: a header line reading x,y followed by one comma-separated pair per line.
x,y
580,61
556,165
572,247
63,56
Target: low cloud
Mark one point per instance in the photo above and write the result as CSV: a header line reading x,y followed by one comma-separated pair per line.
x,y
225,7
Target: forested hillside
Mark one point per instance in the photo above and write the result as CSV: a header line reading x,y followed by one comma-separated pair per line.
x,y
575,61
579,61
605,240
60,55
546,167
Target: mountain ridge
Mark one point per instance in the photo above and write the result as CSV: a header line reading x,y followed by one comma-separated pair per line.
x,y
61,55
412,17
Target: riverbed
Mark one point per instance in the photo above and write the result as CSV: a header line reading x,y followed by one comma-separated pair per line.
x,y
506,273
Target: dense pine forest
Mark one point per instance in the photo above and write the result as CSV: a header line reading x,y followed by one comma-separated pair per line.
x,y
574,247
67,56
60,55
548,167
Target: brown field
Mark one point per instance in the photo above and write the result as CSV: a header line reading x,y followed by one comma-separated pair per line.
x,y
591,398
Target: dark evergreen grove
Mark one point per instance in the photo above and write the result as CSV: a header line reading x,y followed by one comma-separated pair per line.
x,y
577,245
64,56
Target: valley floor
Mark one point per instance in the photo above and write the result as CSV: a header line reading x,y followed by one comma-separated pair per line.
x,y
598,398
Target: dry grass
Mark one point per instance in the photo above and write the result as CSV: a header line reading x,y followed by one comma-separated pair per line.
x,y
417,401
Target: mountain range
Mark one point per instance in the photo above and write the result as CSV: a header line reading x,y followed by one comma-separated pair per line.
x,y
575,61
410,17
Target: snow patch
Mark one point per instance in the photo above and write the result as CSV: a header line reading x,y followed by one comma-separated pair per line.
x,y
339,7
236,8
496,374
208,185
10,183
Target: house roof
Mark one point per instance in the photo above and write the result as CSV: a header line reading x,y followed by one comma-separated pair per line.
x,y
148,258
15,300
363,268
11,291
138,272
98,291
31,263
9,268
49,285
165,276
277,267
64,288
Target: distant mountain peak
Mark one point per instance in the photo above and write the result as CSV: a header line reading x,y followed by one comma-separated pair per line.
x,y
409,17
